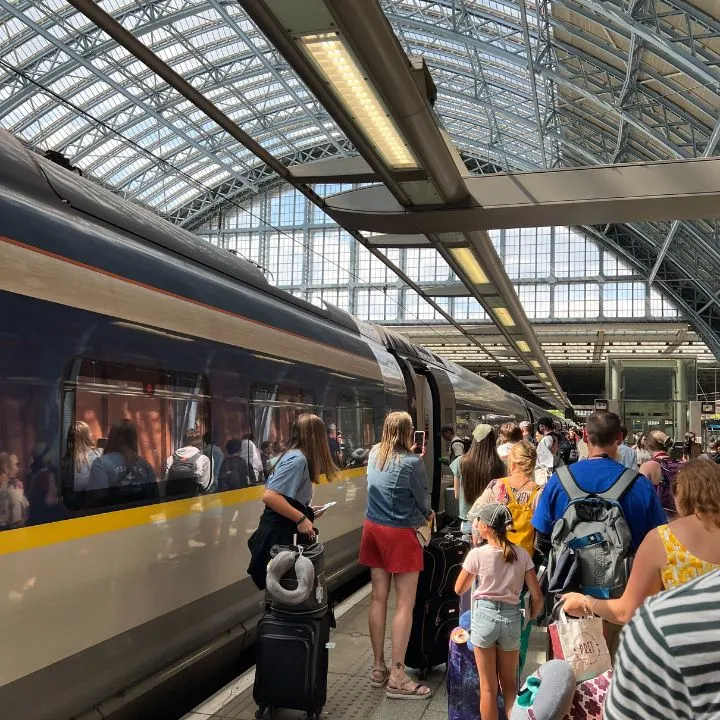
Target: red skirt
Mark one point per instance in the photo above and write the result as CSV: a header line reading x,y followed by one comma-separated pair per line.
x,y
395,550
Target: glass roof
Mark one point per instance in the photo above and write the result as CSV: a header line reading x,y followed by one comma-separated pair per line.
x,y
522,84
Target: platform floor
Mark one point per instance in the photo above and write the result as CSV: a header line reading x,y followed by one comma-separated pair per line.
x,y
350,696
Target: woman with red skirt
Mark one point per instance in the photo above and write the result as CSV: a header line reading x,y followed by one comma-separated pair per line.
x,y
398,503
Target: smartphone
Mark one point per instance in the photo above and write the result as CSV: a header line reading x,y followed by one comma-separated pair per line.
x,y
419,441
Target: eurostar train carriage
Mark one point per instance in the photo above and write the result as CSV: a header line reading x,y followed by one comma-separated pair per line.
x,y
111,602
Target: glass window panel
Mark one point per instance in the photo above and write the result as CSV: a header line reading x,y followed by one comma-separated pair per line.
x,y
624,300
153,412
377,304
660,306
535,300
577,301
468,308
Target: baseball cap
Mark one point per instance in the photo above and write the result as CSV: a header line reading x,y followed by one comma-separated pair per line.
x,y
494,515
525,423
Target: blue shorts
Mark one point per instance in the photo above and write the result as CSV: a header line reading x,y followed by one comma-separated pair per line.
x,y
495,623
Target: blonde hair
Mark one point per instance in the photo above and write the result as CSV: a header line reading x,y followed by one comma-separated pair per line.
x,y
79,445
310,437
396,435
696,488
524,456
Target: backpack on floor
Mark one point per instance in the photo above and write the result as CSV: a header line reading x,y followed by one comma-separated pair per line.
x,y
591,544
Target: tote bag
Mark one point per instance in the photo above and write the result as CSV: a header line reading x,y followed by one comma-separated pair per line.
x,y
581,643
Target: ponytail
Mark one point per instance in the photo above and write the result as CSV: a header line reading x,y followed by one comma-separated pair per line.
x,y
508,549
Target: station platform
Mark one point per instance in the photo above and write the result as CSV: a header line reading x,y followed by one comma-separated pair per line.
x,y
350,696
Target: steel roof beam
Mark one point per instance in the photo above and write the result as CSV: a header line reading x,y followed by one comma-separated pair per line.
x,y
688,64
7,6
709,151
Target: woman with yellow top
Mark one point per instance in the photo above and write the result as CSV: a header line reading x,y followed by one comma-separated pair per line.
x,y
672,554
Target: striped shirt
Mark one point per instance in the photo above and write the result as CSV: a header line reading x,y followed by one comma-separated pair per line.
x,y
668,664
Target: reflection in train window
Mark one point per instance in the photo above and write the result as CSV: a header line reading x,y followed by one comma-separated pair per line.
x,y
356,430
275,410
123,428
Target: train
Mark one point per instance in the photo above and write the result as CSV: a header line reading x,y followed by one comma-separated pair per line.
x,y
110,313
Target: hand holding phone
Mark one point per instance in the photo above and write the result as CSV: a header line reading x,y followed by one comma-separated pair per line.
x,y
320,509
419,442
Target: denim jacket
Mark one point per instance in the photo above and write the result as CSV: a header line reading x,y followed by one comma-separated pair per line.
x,y
398,496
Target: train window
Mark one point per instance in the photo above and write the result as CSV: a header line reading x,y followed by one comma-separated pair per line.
x,y
122,429
356,432
275,410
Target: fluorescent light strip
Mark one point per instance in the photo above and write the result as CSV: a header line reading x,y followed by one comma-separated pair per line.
x,y
469,265
504,317
342,72
523,346
535,363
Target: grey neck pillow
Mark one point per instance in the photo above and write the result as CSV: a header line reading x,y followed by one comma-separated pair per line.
x,y
279,567
547,694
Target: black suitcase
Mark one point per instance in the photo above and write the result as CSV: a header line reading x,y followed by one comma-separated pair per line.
x,y
433,621
437,607
292,663
442,560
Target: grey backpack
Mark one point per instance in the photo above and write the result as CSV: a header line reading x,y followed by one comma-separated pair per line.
x,y
591,544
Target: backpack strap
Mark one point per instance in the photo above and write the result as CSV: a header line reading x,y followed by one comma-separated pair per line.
x,y
567,480
624,482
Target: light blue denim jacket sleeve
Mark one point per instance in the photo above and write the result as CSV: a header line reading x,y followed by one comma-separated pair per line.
x,y
398,495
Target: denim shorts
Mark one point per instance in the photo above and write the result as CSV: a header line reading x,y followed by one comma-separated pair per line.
x,y
495,623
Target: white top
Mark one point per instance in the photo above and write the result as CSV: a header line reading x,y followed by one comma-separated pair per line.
x,y
504,450
249,451
203,464
544,452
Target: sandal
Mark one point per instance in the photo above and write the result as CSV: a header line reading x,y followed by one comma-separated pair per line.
x,y
419,692
379,676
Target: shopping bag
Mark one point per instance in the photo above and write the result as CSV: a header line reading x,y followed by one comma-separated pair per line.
x,y
581,643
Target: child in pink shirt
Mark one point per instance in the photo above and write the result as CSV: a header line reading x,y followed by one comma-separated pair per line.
x,y
501,569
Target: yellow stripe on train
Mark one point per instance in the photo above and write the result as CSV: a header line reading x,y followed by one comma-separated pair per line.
x,y
28,538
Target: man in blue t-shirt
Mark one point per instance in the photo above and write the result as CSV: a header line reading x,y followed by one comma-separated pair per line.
x,y
603,434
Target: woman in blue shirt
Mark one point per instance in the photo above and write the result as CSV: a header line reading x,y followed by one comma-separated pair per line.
x,y
288,493
398,503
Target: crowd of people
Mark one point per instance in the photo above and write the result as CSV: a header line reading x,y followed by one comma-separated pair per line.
x,y
511,496
109,471
512,488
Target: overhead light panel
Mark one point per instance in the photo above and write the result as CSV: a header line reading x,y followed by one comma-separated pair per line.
x,y
466,259
535,363
523,346
543,375
343,74
504,317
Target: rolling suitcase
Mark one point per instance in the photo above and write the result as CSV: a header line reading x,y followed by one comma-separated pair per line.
x,y
463,682
292,663
433,621
437,607
442,559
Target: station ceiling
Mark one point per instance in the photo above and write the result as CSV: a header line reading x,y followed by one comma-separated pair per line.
x,y
520,87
